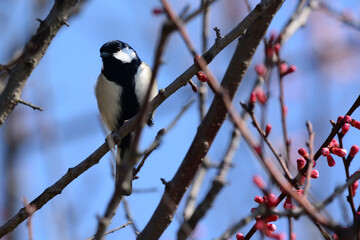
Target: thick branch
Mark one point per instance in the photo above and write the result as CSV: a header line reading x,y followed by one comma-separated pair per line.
x,y
33,52
217,185
162,217
55,189
95,157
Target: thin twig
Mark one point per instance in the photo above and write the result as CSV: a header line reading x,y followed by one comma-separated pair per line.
x,y
349,197
210,126
327,141
129,216
155,144
310,144
112,231
32,53
126,166
160,134
269,144
283,116
298,19
111,208
179,115
127,127
30,209
248,5
196,186
340,16
217,184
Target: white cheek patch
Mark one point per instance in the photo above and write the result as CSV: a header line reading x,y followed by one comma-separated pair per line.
x,y
126,55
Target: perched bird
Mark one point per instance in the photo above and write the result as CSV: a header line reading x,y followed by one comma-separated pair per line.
x,y
120,91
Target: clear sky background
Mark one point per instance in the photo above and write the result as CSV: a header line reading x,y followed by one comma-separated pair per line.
x,y
326,53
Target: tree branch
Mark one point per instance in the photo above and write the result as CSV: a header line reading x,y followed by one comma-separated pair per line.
x,y
259,20
32,54
128,126
55,189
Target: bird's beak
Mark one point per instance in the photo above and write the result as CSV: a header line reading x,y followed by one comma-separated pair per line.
x,y
105,55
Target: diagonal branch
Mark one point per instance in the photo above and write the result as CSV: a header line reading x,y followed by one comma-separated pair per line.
x,y
127,127
260,18
32,54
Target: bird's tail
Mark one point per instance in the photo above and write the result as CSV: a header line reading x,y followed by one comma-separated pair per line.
x,y
124,168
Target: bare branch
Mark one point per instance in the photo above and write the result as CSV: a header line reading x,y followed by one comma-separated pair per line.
x,y
55,189
30,105
127,127
110,211
112,231
32,53
310,144
298,19
129,216
218,183
332,134
160,134
213,120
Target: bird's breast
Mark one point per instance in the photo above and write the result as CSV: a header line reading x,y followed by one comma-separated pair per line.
x,y
108,95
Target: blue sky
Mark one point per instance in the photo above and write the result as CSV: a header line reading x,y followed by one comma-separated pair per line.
x,y
324,87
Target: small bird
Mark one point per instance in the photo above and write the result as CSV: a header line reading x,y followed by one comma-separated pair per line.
x,y
120,91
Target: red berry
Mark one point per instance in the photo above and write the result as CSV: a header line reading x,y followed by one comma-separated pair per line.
x,y
258,199
325,152
240,236
271,227
347,119
268,129
341,152
258,149
284,110
202,77
314,173
345,128
259,182
291,69
330,161
261,95
340,118
354,187
300,163
280,236
196,58
288,203
303,153
272,218
272,37
334,143
277,47
354,150
260,224
260,69
300,191
271,200
283,67
157,11
355,124
252,99
269,51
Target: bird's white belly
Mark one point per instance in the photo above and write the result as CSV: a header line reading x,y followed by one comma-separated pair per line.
x,y
108,95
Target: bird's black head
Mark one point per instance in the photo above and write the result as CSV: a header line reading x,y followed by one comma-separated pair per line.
x,y
117,50
120,61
